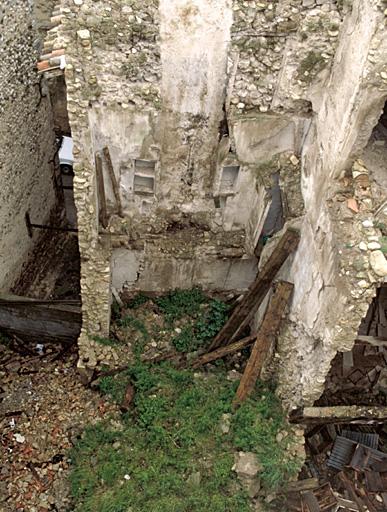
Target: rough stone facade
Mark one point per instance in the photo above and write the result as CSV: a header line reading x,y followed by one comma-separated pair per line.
x,y
339,262
27,139
200,103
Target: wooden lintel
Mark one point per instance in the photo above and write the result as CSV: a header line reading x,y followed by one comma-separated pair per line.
x,y
265,337
245,311
103,217
113,179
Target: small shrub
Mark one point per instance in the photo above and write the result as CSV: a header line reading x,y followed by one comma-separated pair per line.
x,y
5,340
185,341
114,386
203,329
138,325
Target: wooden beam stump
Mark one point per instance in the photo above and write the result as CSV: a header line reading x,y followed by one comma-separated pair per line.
x,y
265,337
245,311
113,179
103,217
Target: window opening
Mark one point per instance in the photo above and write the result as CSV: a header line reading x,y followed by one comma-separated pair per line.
x,y
229,178
144,176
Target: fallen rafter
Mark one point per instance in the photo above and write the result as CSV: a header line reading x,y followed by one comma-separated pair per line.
x,y
266,335
223,351
245,311
341,414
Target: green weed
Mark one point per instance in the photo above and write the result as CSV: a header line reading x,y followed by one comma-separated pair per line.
x,y
171,454
114,386
203,329
179,303
137,325
138,301
255,426
105,341
383,244
5,340
312,64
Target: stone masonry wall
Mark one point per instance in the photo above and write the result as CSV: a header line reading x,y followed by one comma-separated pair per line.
x,y
278,50
196,85
339,263
26,139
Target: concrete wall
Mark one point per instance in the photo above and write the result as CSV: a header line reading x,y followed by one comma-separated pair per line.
x,y
26,139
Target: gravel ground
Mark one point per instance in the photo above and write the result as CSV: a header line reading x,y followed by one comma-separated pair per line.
x,y
43,408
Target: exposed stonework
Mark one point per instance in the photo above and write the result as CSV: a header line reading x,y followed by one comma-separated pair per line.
x,y
27,140
179,90
333,270
279,49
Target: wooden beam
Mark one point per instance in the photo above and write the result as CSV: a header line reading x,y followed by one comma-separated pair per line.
x,y
266,335
340,414
103,217
245,311
223,351
372,340
307,484
41,322
113,179
311,502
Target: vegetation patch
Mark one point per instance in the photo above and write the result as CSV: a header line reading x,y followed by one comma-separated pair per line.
x,y
169,452
310,66
383,244
185,320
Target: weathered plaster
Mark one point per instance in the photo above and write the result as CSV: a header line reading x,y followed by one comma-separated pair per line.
x,y
333,280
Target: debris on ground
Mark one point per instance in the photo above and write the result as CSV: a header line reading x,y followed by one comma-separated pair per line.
x,y
43,409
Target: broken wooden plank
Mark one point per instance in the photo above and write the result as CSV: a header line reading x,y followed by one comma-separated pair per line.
x,y
325,497
303,485
365,458
127,401
266,335
340,414
113,179
103,217
374,482
346,505
41,322
10,299
369,505
351,491
310,500
223,351
245,311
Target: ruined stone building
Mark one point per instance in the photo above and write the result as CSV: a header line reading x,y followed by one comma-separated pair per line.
x,y
200,129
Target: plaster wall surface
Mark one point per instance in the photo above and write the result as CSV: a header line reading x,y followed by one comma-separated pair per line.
x,y
26,139
291,89
333,279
